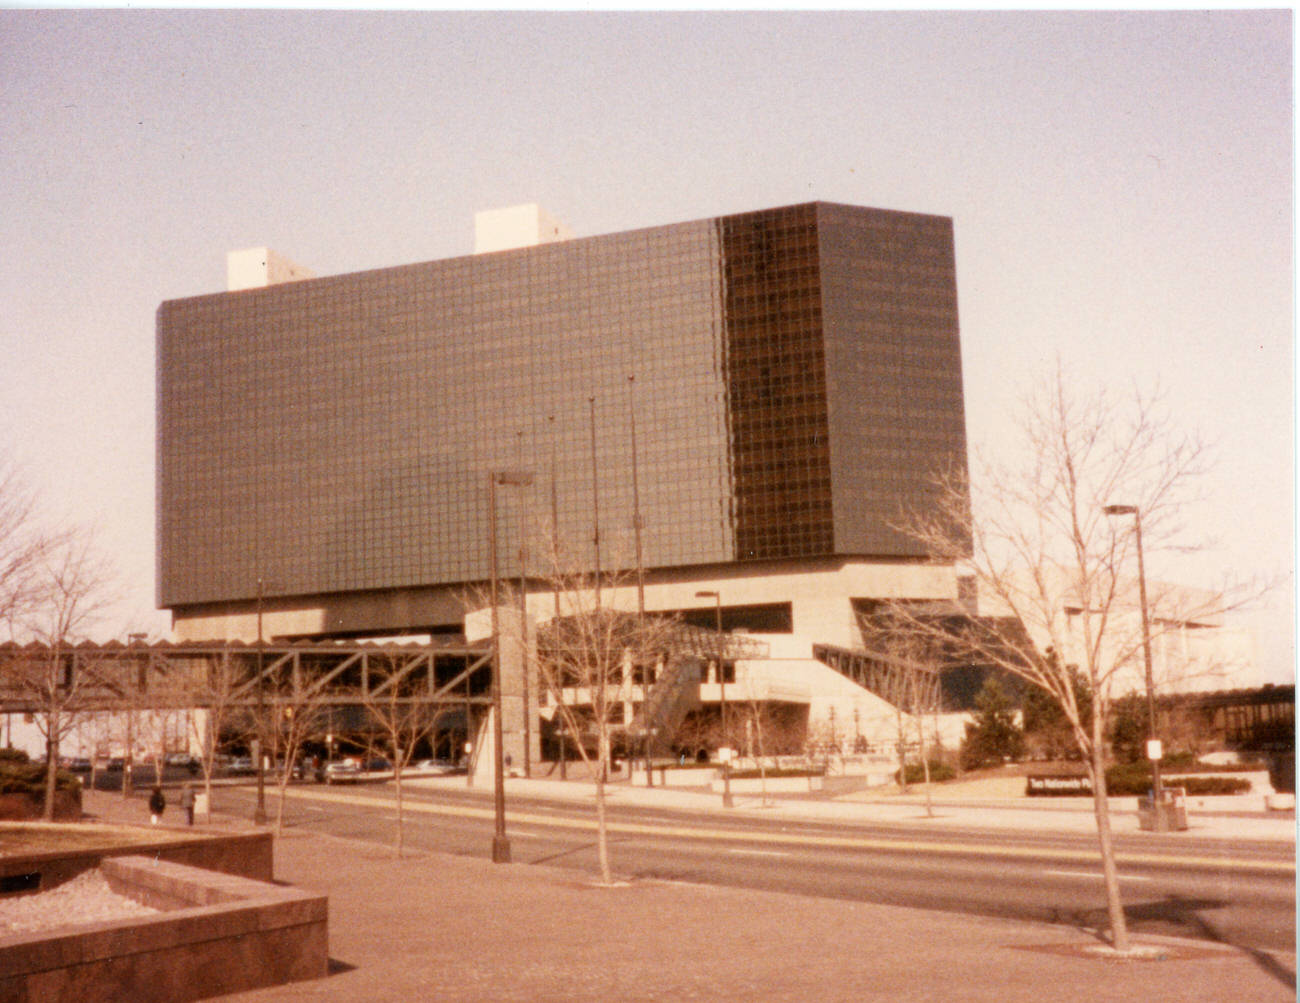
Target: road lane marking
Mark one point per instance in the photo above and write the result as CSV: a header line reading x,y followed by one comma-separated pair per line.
x,y
808,840
1096,874
757,853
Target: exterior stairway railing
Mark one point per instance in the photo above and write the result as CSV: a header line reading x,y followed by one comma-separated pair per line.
x,y
673,696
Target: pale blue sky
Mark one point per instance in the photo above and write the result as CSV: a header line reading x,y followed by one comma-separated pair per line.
x,y
1121,185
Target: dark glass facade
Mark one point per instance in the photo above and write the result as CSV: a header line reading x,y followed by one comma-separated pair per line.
x,y
797,380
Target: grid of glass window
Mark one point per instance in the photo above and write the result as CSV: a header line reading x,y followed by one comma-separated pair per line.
x,y
893,364
776,384
335,435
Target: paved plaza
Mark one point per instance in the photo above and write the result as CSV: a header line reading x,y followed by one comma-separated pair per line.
x,y
442,927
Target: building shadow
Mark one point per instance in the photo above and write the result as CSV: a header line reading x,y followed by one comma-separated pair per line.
x,y
1188,917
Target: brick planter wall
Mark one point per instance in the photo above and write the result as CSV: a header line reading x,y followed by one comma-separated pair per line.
x,y
221,934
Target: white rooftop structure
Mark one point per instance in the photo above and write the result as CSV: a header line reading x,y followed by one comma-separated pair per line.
x,y
516,226
258,267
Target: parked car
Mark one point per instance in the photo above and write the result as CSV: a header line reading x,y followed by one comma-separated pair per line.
x,y
241,766
183,759
436,767
342,771
378,764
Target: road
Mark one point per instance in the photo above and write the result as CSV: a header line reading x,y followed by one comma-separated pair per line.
x,y
1231,892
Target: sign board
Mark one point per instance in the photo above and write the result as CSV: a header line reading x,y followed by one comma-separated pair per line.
x,y
1058,786
1154,749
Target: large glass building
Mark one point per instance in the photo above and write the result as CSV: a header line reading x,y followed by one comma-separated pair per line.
x,y
790,380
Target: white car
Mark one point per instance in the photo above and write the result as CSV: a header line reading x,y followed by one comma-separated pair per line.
x,y
435,767
343,771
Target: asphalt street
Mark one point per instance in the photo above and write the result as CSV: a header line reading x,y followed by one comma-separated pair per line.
x,y
1228,891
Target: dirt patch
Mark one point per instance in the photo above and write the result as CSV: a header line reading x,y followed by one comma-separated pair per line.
x,y
25,838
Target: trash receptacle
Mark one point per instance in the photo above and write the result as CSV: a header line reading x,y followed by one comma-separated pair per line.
x,y
1175,808
1168,814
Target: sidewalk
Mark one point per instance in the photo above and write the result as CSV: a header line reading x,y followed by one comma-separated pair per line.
x,y
448,928
950,811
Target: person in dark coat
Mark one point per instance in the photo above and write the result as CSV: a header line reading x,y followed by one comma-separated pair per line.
x,y
156,805
187,802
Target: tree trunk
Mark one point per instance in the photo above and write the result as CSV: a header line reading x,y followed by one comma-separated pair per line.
x,y
602,833
902,754
1101,807
397,780
925,762
51,766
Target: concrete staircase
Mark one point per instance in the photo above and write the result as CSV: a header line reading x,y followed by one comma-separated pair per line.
x,y
673,696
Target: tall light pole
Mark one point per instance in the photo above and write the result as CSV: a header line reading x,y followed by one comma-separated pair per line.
x,y
523,627
1153,743
595,498
555,582
500,842
259,813
722,699
640,582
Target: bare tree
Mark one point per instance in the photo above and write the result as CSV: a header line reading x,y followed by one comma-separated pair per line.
x,y
66,592
1056,569
765,729
24,544
215,690
294,710
588,650
394,696
910,671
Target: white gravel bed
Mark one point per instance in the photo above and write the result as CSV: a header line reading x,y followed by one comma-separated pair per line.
x,y
86,898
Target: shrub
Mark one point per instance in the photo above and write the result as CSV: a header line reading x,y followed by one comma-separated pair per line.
x,y
914,773
993,737
11,755
21,777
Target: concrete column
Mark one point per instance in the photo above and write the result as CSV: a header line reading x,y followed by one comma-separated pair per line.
x,y
516,660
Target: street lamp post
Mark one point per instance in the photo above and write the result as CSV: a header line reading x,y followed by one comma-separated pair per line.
x,y
722,697
132,688
1153,743
500,842
644,670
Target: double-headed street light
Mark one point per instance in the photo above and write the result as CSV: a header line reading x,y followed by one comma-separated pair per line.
x,y
722,699
500,843
1153,743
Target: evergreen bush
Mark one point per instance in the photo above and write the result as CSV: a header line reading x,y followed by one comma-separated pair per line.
x,y
915,772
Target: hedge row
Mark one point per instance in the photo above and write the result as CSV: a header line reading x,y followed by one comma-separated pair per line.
x,y
1138,783
914,773
776,773
1134,780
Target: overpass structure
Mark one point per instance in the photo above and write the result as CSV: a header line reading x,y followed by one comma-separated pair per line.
x,y
333,691
273,681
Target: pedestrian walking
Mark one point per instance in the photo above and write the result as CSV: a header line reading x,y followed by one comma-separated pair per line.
x,y
187,802
156,805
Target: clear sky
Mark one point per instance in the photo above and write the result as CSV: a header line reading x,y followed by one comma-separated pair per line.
x,y
1121,185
